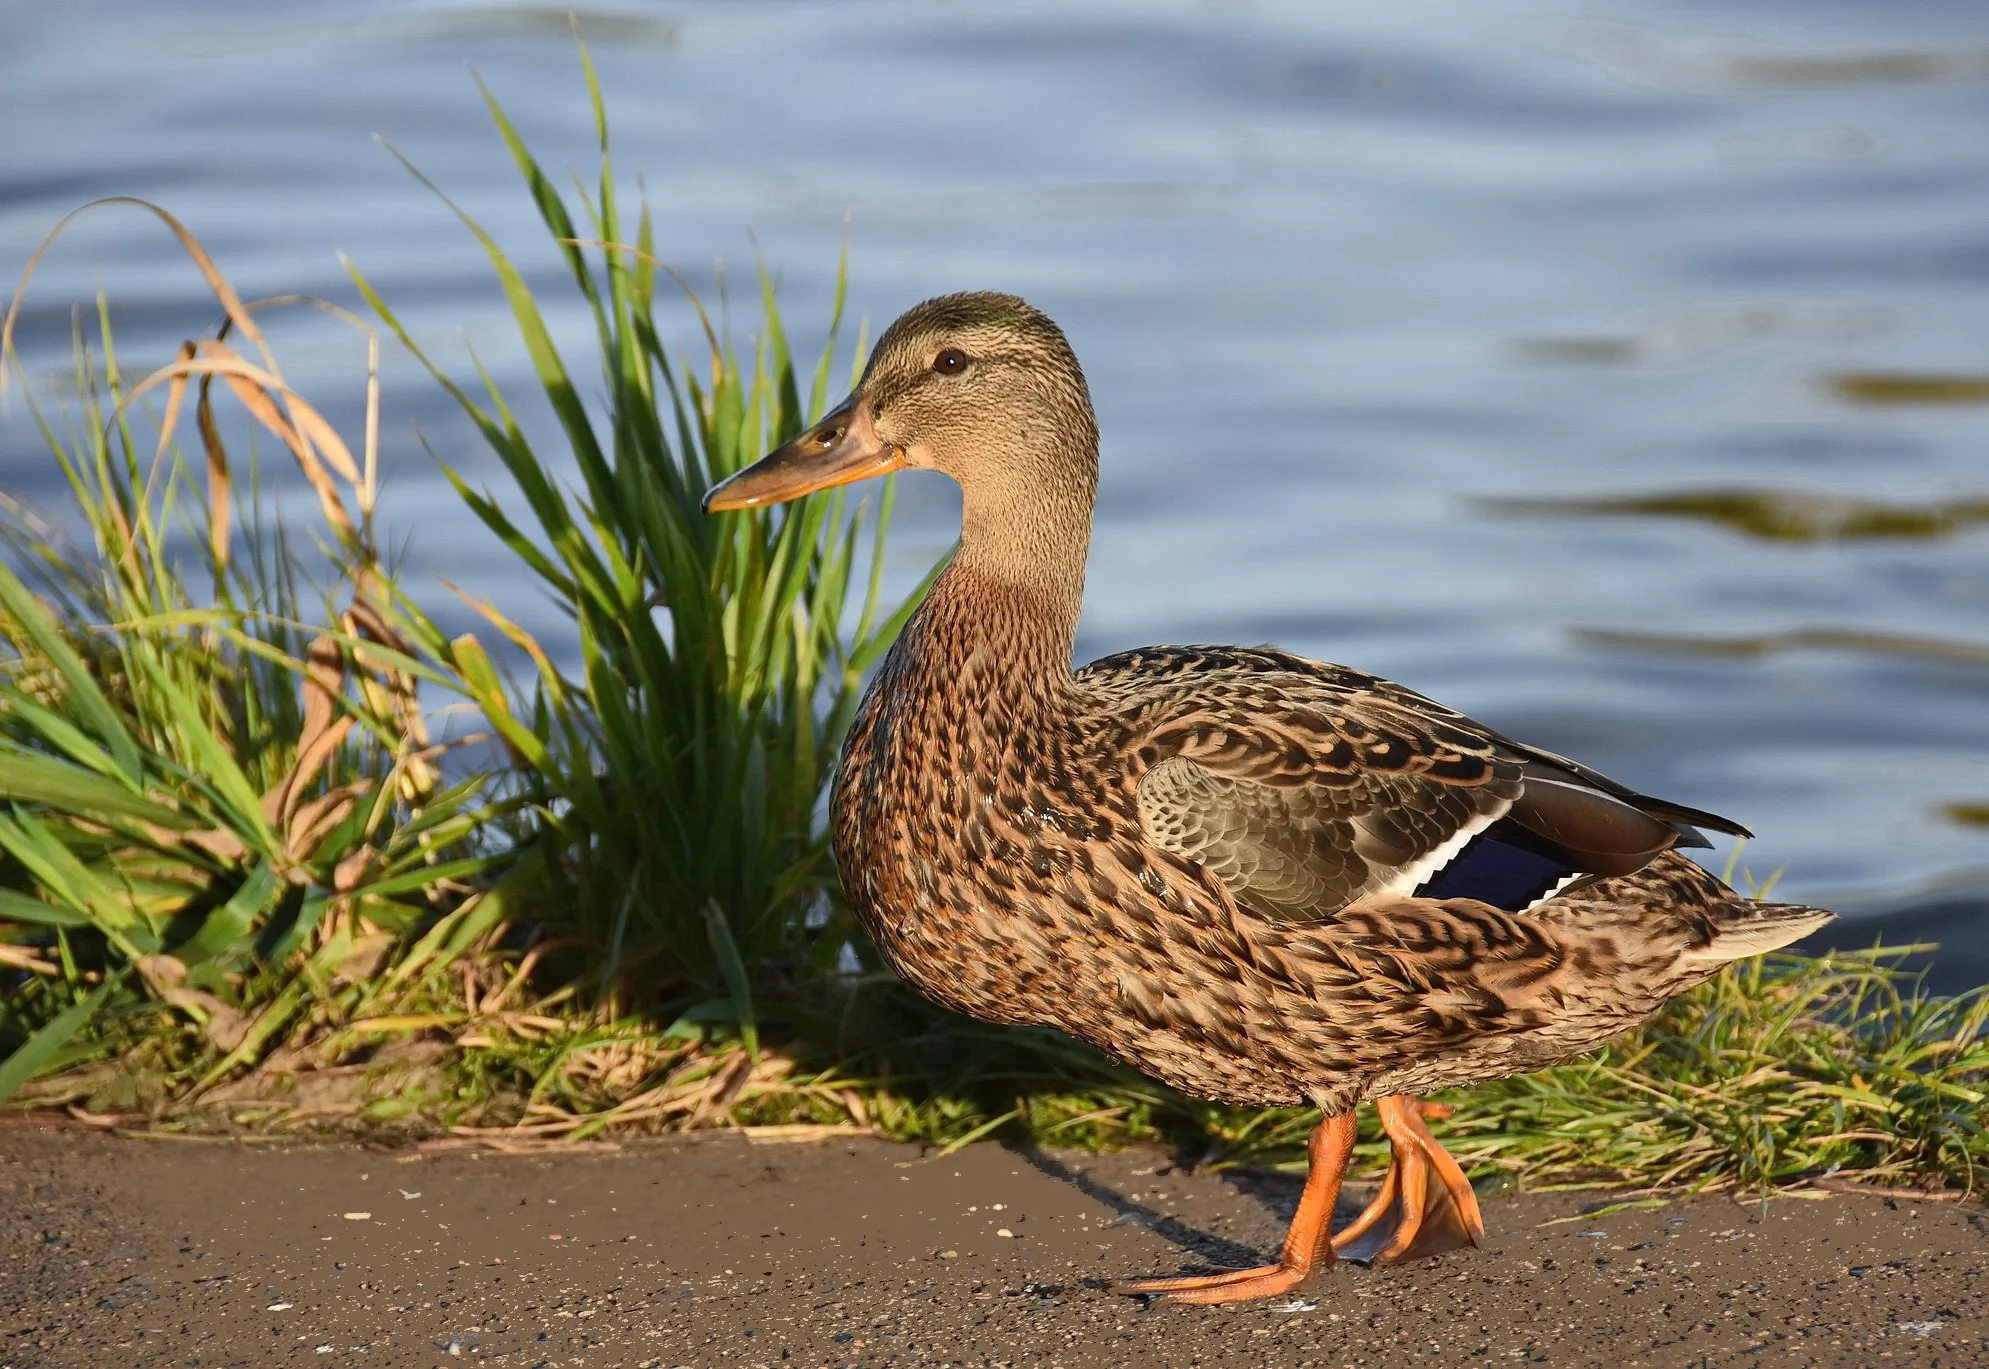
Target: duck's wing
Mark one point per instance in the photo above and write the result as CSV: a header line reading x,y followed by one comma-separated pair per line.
x,y
1303,787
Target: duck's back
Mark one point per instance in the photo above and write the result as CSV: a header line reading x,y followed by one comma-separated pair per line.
x,y
1306,786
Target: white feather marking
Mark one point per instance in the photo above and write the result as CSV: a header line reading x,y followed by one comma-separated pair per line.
x,y
1408,878
1554,892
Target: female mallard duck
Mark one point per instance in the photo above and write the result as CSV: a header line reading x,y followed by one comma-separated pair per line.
x,y
1258,878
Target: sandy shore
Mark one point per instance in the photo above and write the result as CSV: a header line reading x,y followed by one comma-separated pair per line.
x,y
720,1252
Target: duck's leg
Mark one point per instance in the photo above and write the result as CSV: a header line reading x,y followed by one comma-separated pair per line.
x,y
1433,1217
1308,1244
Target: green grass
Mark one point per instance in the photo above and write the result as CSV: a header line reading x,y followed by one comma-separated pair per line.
x,y
1776,1072
1778,1069
223,813
677,771
242,888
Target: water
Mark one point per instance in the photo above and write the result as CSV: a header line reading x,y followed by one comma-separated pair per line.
x,y
1340,276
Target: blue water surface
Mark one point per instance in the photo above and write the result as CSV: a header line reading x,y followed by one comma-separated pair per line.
x,y
1338,273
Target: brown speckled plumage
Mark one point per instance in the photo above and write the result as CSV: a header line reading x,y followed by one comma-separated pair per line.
x,y
1206,860
989,829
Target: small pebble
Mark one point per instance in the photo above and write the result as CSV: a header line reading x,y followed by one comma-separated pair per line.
x,y
359,1216
1003,1231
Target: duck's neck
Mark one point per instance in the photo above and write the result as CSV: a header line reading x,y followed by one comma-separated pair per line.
x,y
1016,585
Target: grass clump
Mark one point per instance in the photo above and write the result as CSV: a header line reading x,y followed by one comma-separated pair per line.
x,y
224,819
666,892
242,886
677,768
1779,1069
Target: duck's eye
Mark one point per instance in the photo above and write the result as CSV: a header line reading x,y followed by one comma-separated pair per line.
x,y
950,362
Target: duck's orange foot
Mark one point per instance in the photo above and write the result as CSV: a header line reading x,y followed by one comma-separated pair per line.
x,y
1308,1243
1232,1285
1432,1201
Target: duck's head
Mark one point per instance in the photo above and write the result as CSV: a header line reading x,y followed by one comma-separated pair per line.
x,y
979,386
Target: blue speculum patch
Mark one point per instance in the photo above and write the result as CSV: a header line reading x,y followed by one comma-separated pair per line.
x,y
1498,871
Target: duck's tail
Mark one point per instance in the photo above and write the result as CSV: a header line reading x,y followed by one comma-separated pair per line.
x,y
1746,928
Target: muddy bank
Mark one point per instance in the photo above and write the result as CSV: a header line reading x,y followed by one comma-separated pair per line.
x,y
722,1252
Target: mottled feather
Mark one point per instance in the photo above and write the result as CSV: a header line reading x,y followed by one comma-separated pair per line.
x,y
1189,857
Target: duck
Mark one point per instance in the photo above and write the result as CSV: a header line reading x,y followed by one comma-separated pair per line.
x,y
1260,879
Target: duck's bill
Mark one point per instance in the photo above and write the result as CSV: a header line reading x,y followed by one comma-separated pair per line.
x,y
843,447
